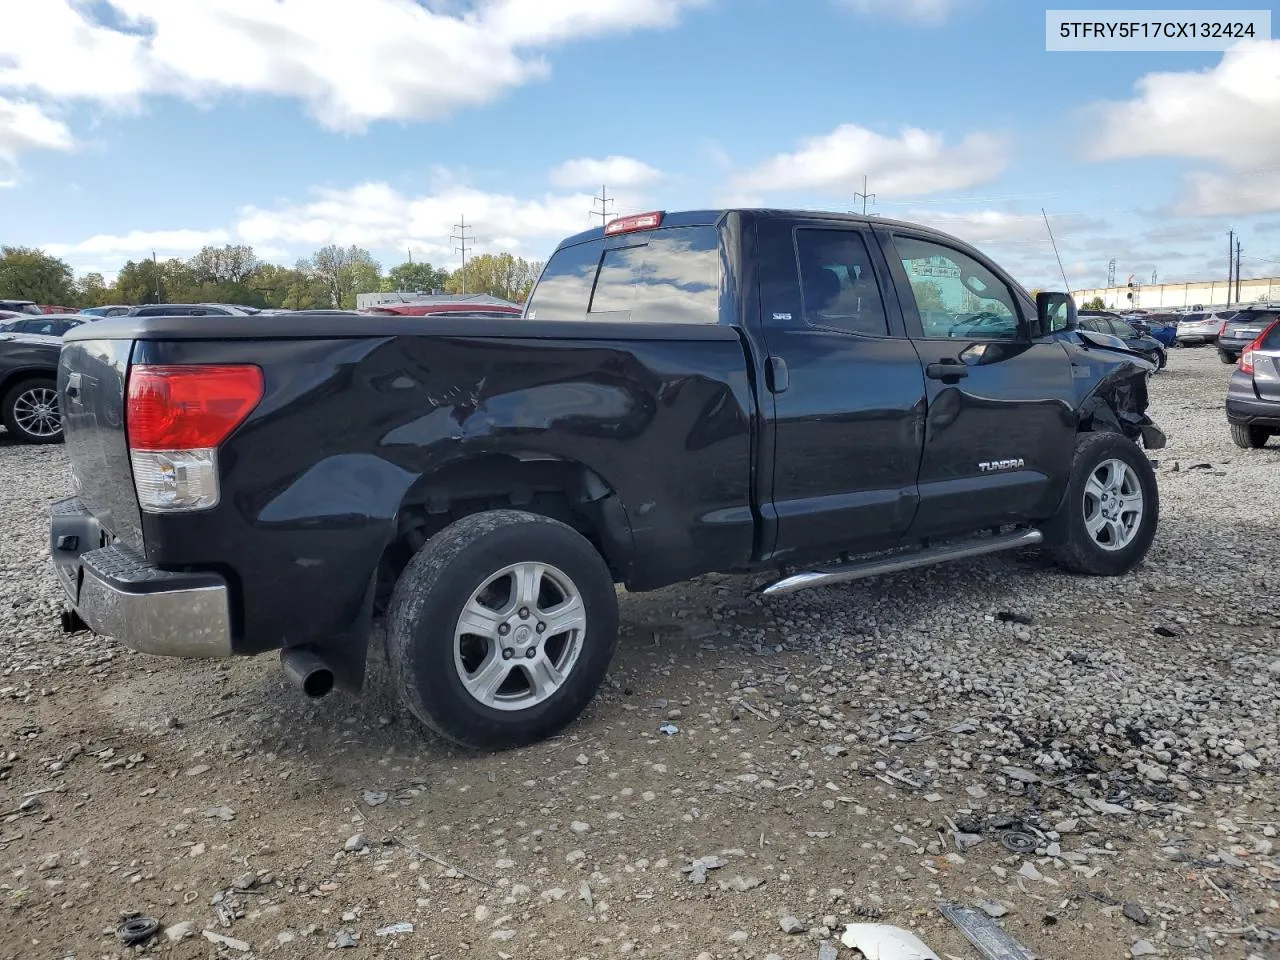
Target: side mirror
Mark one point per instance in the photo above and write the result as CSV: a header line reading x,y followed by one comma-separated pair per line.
x,y
1055,312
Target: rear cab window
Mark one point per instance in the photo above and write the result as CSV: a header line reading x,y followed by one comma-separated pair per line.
x,y
668,275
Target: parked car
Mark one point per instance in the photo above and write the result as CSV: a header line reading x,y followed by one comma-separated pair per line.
x,y
1242,329
1150,348
1253,395
187,310
115,310
20,306
50,325
1160,326
1201,327
738,390
28,395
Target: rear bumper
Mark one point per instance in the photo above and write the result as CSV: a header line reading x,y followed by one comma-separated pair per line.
x,y
1230,345
118,594
1253,412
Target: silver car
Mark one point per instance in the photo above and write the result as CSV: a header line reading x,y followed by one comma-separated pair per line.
x,y
1197,328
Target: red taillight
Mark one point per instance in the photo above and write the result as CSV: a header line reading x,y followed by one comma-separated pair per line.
x,y
640,221
1222,329
189,407
1246,358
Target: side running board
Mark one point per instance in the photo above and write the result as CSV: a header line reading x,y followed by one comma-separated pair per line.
x,y
927,557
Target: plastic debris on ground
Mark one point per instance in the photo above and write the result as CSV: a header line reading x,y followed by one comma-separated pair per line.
x,y
670,729
985,934
394,928
879,941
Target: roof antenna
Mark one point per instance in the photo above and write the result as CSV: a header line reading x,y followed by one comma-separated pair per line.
x,y
1065,282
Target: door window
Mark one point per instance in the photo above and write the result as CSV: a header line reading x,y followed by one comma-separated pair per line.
x,y
956,296
838,286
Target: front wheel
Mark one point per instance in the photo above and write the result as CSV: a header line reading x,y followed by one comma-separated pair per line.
x,y
501,629
1249,438
1107,520
30,413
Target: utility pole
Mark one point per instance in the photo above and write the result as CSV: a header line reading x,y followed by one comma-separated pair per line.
x,y
604,200
1153,278
409,250
1231,261
155,274
1237,270
462,238
1111,272
863,196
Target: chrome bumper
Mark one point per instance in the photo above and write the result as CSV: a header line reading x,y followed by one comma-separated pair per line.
x,y
118,594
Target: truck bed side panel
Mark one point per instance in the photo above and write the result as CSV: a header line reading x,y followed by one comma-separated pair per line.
x,y
348,429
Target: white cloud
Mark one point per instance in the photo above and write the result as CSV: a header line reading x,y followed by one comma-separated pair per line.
x,y
997,227
106,247
1214,194
915,163
1229,113
393,59
378,216
26,126
927,11
613,171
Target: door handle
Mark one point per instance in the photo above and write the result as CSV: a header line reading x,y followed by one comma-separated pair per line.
x,y
776,376
946,370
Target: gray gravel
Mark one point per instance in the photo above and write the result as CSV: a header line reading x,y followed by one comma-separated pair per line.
x,y
1102,779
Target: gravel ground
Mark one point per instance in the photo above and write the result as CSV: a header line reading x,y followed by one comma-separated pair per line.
x,y
1092,761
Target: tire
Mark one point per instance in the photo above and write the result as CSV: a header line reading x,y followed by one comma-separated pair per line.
x,y
25,411
1249,438
429,653
1227,357
1068,536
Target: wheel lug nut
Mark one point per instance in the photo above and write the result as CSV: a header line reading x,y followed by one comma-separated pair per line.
x,y
524,613
507,653
541,628
531,653
504,629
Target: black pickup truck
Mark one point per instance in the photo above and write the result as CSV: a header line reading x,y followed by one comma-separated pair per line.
x,y
824,396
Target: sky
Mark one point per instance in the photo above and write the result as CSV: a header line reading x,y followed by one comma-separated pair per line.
x,y
128,126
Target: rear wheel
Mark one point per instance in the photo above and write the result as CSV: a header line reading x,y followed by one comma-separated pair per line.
x,y
1108,518
30,411
501,628
1250,438
1226,357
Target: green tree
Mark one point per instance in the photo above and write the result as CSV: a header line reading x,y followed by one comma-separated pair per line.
x,y
344,272
1094,304
91,290
414,278
928,295
30,274
139,282
230,263
499,275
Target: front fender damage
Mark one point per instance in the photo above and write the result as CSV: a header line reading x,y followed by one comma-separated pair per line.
x,y
1117,397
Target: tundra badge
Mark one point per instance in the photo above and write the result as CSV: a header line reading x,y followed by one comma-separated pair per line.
x,y
990,466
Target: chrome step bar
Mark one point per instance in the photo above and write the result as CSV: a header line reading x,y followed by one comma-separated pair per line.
x,y
927,557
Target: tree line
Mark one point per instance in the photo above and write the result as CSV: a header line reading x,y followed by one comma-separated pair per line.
x,y
331,277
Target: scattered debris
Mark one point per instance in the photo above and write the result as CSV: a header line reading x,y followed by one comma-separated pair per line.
x,y
218,813
375,798
1008,616
826,951
1015,841
670,729
1143,948
792,925
883,942
393,929
1134,912
136,930
355,843
697,870
344,939
231,943
177,932
994,909
985,934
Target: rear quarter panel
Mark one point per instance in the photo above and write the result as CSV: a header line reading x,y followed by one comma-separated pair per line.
x,y
314,480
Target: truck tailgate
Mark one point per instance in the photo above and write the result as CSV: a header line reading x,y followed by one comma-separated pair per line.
x,y
91,390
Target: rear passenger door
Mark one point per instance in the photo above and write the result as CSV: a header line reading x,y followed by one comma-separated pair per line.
x,y
845,388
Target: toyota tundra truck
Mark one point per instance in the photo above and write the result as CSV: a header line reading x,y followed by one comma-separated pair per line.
x,y
807,397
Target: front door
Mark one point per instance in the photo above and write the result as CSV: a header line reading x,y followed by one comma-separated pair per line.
x,y
1000,429
846,390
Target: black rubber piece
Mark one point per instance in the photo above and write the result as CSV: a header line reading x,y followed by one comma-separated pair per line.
x,y
437,583
1015,841
1068,541
137,930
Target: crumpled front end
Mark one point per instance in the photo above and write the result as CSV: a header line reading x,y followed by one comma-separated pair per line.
x,y
1113,392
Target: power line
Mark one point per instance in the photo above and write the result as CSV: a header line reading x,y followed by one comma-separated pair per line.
x,y
462,238
604,200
